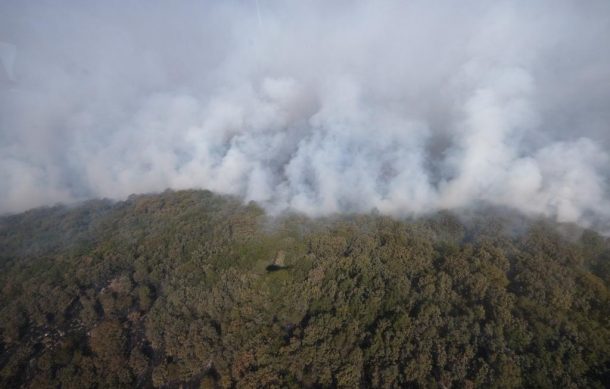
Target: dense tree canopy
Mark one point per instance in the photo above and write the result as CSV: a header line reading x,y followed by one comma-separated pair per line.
x,y
196,290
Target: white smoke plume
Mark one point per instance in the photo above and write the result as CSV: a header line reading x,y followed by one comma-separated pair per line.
x,y
313,106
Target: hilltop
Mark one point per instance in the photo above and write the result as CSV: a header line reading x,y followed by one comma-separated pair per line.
x,y
194,289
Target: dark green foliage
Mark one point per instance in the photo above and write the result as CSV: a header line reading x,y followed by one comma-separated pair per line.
x,y
196,290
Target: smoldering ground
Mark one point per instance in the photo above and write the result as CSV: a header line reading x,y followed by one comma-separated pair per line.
x,y
318,107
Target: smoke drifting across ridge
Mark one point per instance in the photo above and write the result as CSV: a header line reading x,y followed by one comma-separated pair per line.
x,y
317,106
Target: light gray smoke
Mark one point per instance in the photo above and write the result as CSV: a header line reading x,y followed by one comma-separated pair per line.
x,y
404,107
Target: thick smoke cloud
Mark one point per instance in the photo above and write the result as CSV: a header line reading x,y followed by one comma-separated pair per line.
x,y
317,106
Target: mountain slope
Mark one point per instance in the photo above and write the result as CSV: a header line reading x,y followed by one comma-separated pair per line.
x,y
186,288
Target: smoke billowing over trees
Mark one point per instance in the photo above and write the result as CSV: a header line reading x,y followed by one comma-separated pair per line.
x,y
318,107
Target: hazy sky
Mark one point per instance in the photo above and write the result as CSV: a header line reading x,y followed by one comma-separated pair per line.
x,y
315,106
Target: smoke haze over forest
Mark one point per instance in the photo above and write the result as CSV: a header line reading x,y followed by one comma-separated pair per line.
x,y
318,107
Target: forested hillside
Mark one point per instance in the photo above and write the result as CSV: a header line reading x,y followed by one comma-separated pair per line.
x,y
195,290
